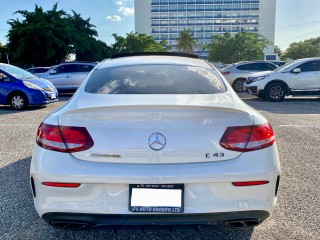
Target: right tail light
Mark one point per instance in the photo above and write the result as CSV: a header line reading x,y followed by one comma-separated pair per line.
x,y
248,138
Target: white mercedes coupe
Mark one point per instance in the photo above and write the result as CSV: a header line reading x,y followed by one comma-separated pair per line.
x,y
155,139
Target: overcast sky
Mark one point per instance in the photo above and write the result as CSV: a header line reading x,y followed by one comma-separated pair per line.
x,y
296,19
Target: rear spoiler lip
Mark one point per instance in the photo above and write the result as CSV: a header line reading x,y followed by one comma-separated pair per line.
x,y
157,107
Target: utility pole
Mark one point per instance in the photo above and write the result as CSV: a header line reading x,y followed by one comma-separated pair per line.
x,y
7,57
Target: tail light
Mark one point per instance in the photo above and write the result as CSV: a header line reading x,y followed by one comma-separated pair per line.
x,y
63,139
248,138
225,73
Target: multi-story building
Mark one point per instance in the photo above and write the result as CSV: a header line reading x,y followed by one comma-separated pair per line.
x,y
165,19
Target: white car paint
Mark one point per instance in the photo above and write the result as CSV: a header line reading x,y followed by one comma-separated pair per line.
x,y
120,126
300,83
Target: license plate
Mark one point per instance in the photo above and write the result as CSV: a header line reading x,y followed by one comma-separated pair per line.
x,y
53,96
160,198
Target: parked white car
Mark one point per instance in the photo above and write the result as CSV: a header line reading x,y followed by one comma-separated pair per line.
x,y
237,73
158,139
297,78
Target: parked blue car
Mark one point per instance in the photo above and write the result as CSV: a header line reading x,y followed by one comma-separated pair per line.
x,y
19,88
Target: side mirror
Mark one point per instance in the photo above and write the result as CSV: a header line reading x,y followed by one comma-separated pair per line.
x,y
53,71
296,70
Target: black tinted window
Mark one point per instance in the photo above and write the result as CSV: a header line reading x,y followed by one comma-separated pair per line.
x,y
265,67
67,68
257,67
85,68
155,79
310,66
246,67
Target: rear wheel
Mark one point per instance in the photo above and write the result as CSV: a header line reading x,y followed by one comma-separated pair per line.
x,y
238,85
276,92
18,101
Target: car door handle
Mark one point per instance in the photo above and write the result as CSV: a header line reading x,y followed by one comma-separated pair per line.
x,y
68,76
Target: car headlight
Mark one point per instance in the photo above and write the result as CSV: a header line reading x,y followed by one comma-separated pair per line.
x,y
255,79
31,85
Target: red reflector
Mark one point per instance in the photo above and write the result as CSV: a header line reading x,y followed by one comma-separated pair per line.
x,y
63,138
65,185
250,183
226,73
248,138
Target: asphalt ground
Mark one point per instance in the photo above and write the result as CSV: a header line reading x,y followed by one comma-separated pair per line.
x,y
297,126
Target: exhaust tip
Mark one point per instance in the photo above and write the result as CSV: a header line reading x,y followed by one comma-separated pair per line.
x,y
71,225
242,223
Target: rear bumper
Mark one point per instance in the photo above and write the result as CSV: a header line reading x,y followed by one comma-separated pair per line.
x,y
105,186
56,218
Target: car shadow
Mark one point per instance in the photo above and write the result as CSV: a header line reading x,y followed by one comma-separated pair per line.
x,y
291,105
19,219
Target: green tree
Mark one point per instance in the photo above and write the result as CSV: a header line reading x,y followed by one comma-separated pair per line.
x,y
186,42
47,37
303,49
222,48
243,46
137,42
277,50
83,40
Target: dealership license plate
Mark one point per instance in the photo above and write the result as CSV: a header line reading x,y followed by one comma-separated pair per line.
x,y
161,198
53,96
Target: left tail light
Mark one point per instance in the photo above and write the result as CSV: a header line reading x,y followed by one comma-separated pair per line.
x,y
63,138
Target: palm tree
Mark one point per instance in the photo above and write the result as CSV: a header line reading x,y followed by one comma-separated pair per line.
x,y
186,41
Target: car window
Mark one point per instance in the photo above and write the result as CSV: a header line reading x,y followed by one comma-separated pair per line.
x,y
310,66
85,68
257,67
68,68
248,66
4,77
264,67
40,70
271,67
155,79
287,66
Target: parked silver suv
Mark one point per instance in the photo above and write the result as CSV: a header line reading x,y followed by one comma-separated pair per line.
x,y
237,73
68,76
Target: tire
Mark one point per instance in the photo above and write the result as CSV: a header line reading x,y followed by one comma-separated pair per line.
x,y
262,96
18,101
237,85
276,92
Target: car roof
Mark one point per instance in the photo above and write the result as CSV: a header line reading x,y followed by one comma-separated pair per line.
x,y
154,59
39,68
79,62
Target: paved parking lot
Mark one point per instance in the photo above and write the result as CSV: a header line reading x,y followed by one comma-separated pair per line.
x,y
296,123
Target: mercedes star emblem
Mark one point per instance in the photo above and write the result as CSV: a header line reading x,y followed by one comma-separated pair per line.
x,y
157,141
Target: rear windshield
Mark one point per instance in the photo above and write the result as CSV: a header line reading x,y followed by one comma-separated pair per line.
x,y
155,79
